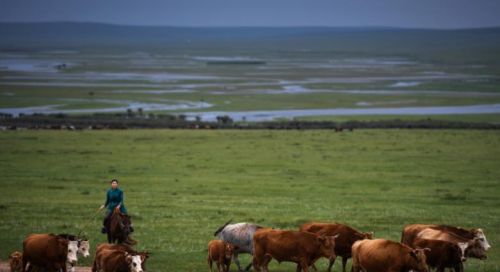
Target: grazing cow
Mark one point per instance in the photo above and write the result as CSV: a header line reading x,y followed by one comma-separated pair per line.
x,y
381,255
241,236
474,247
111,260
443,254
16,261
220,252
343,244
302,248
120,247
410,232
48,252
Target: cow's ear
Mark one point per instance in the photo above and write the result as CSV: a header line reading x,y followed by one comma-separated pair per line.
x,y
143,257
413,253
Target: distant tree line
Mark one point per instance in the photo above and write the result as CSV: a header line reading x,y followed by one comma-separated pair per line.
x,y
139,119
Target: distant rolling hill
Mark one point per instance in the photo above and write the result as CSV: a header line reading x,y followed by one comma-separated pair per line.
x,y
468,45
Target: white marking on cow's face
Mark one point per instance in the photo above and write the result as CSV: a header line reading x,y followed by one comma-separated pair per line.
x,y
72,249
83,249
482,239
136,264
463,247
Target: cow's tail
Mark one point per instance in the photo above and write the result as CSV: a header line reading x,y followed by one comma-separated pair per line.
x,y
222,227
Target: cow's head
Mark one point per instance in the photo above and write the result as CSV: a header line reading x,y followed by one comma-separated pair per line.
x,y
135,262
479,234
15,261
475,249
72,250
328,246
419,259
229,250
83,248
367,235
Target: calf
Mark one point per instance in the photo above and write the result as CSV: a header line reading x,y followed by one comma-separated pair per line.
x,y
111,260
381,255
16,261
302,248
220,252
443,254
343,244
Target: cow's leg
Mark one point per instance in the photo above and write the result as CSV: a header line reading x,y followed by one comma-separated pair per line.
x,y
344,262
236,261
265,263
331,262
304,265
248,267
209,262
256,263
24,263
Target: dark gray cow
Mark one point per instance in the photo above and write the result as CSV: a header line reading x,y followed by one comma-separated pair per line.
x,y
241,236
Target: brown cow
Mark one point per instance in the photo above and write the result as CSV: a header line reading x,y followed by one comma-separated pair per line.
x,y
220,252
474,247
410,233
49,252
443,254
111,260
343,244
302,248
120,247
16,261
382,255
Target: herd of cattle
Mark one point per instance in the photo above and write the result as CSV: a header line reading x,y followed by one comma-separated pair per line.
x,y
421,247
54,253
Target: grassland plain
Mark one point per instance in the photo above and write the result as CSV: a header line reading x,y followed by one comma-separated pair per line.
x,y
180,185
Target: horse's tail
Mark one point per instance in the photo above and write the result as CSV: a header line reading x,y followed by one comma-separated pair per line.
x,y
222,227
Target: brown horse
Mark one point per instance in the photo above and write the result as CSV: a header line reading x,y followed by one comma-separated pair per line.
x,y
118,228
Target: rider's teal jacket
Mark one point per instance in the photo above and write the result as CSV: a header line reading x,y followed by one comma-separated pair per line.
x,y
114,197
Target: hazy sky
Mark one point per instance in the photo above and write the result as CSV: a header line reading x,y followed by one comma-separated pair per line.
x,y
397,13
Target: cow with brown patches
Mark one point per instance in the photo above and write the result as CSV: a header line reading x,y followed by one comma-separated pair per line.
x,y
111,260
474,247
16,261
382,255
343,244
443,254
302,248
118,247
221,253
410,233
49,252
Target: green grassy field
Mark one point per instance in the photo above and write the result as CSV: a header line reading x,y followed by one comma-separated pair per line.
x,y
180,185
